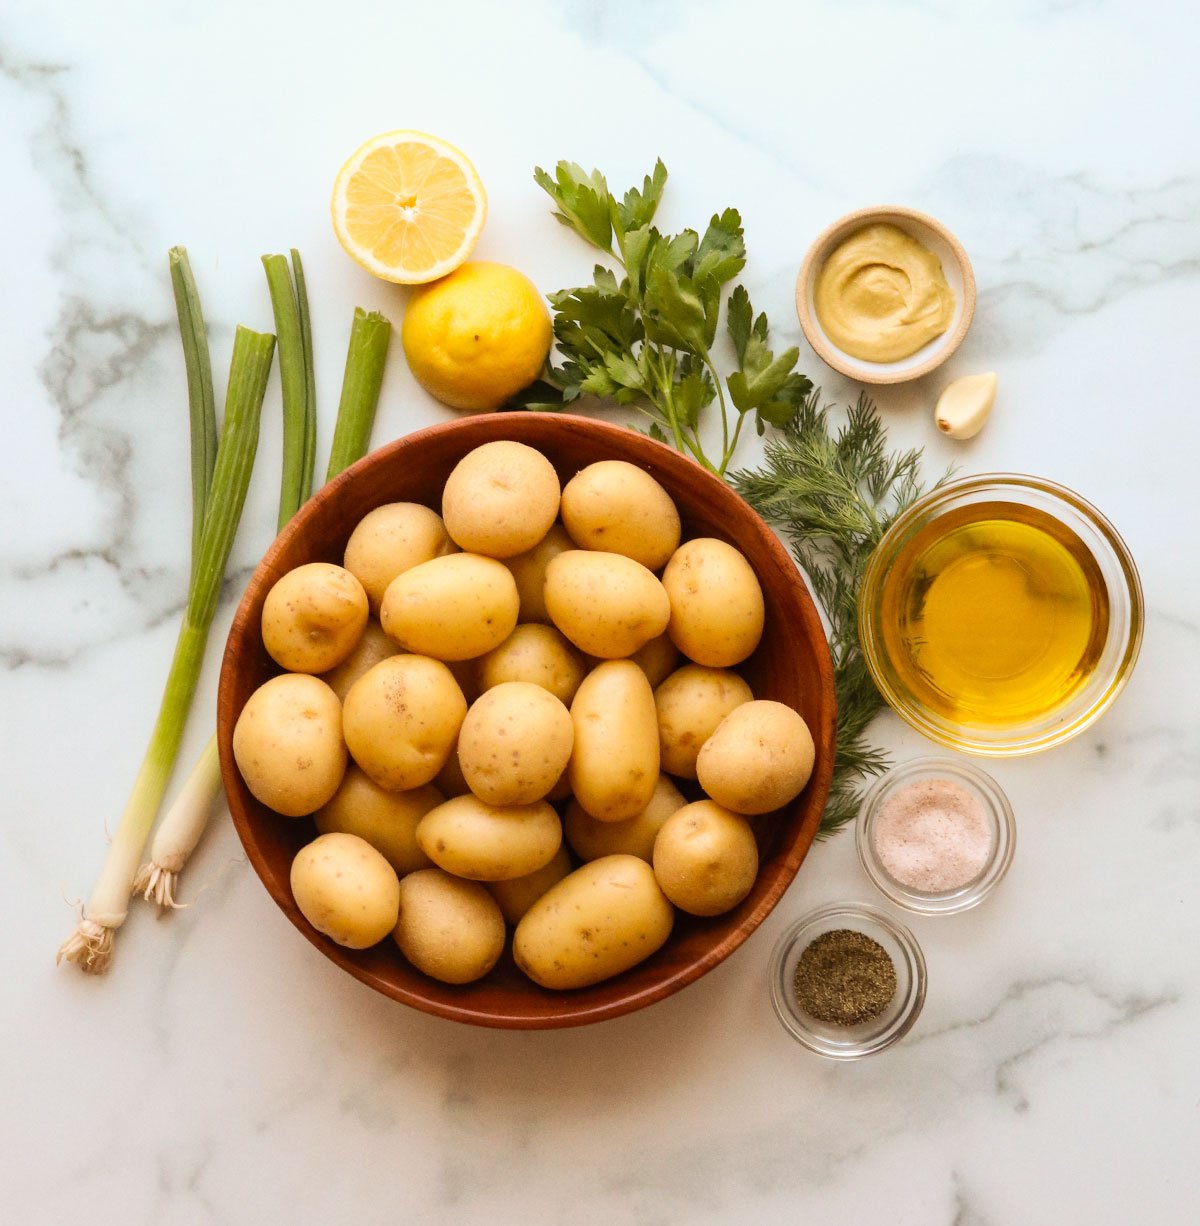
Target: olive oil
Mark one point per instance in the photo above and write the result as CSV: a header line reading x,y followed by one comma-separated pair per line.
x,y
994,614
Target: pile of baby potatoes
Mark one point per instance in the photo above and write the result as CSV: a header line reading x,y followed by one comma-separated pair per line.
x,y
461,675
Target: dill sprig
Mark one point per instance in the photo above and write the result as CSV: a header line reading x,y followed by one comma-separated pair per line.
x,y
834,494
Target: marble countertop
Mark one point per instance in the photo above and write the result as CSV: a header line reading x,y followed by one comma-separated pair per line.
x,y
224,1072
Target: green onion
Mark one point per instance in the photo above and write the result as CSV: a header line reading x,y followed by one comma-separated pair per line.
x,y
201,405
365,360
91,944
184,822
290,305
310,381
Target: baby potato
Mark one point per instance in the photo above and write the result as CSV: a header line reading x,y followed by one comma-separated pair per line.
x,y
346,889
656,659
500,499
313,617
537,654
529,572
590,839
485,842
401,719
386,820
608,605
288,744
618,507
716,603
601,920
450,930
690,703
705,858
453,608
759,757
390,540
515,743
518,894
466,673
450,780
372,647
614,765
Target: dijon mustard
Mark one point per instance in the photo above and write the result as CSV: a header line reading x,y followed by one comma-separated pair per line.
x,y
881,295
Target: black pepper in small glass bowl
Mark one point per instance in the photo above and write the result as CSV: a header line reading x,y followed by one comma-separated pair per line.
x,y
847,980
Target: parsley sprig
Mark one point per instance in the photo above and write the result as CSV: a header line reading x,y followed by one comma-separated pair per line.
x,y
646,338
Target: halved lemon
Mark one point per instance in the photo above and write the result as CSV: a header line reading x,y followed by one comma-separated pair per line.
x,y
408,207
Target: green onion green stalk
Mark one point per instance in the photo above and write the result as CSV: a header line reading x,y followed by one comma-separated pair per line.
x,y
91,944
184,823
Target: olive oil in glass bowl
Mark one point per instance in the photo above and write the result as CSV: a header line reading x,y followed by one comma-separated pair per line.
x,y
1001,614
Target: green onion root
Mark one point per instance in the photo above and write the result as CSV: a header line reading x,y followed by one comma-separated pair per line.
x,y
176,836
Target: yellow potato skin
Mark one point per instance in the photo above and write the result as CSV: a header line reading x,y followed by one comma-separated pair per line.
x,y
450,780
600,920
390,540
386,820
705,858
529,572
758,759
372,647
500,499
614,765
449,929
717,605
483,842
690,704
313,617
618,507
401,719
452,608
515,743
608,605
515,896
657,659
288,744
346,889
538,654
590,839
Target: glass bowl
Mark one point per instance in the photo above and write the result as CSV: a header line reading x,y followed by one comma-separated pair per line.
x,y
1116,655
1002,824
865,1038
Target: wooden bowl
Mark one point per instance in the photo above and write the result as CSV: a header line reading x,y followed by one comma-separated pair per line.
x,y
956,267
792,665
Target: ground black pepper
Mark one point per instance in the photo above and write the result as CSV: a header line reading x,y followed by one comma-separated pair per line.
x,y
844,977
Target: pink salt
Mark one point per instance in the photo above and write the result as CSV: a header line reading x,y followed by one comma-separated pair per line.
x,y
933,836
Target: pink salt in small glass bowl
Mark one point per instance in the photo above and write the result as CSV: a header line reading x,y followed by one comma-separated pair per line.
x,y
998,817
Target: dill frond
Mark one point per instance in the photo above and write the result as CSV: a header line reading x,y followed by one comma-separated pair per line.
x,y
834,493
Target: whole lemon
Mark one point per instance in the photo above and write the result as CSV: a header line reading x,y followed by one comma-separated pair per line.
x,y
478,336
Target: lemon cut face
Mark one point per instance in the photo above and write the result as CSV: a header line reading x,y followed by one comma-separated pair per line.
x,y
408,207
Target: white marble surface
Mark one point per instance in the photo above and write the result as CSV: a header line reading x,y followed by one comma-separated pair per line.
x,y
224,1072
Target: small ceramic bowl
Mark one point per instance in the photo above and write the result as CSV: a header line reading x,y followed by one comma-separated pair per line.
x,y
866,1038
956,268
1002,827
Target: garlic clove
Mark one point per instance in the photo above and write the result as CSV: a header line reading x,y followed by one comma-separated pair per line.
x,y
965,405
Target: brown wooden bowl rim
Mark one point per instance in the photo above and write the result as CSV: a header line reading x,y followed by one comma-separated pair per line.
x,y
575,1011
